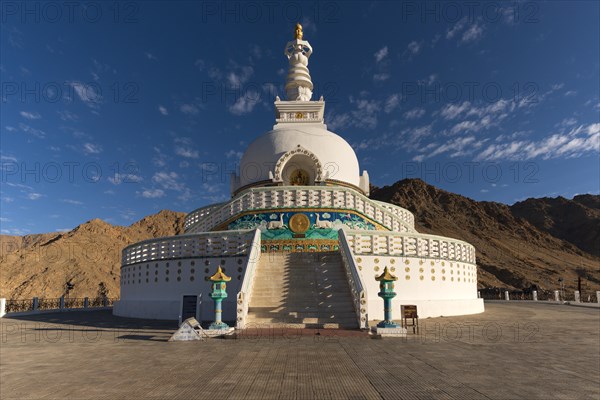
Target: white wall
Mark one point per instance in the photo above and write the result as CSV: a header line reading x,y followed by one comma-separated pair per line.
x,y
437,287
146,292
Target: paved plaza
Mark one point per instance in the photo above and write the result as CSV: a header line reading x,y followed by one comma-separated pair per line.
x,y
512,351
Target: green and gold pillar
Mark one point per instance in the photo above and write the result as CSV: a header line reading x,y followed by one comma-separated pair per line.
x,y
386,292
219,293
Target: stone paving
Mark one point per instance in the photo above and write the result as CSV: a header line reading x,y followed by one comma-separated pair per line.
x,y
512,351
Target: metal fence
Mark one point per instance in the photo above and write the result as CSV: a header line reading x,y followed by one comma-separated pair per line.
x,y
57,304
542,295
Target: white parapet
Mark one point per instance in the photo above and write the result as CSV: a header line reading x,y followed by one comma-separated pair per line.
x,y
506,295
535,295
556,296
577,297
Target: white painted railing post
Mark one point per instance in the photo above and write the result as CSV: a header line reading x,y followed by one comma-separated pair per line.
x,y
556,296
62,302
2,307
535,295
86,302
506,295
36,303
577,297
478,294
598,296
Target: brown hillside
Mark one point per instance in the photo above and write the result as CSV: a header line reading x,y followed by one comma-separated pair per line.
x,y
576,221
511,252
41,265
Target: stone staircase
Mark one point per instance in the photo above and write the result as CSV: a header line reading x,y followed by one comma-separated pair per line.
x,y
301,290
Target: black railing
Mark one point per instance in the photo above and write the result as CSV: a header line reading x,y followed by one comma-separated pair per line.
x,y
55,304
542,295
19,305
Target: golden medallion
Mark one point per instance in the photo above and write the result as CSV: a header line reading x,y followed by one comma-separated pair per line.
x,y
299,115
299,223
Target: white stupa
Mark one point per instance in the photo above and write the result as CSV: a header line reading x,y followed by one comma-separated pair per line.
x,y
299,236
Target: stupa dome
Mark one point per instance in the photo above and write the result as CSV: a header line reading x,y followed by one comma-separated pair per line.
x,y
310,148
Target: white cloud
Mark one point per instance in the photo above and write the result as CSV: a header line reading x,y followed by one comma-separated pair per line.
x,y
414,47
168,180
570,93
577,142
189,109
87,93
67,115
239,76
153,193
30,115
184,148
415,113
473,33
34,196
32,131
380,77
150,56
234,154
246,103
456,28
391,103
73,202
119,178
91,148
163,110
381,54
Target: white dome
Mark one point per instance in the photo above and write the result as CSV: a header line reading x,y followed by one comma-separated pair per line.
x,y
335,156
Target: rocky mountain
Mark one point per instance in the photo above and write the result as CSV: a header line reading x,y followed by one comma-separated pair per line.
x,y
576,221
533,242
88,257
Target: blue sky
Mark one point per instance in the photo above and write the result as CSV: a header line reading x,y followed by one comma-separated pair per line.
x,y
118,110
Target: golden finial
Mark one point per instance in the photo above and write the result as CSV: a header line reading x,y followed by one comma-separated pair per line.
x,y
220,276
298,32
386,276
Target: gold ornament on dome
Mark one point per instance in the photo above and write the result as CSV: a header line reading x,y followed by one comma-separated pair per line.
x,y
298,32
299,223
299,178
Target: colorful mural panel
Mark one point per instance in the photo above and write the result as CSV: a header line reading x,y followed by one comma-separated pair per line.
x,y
301,224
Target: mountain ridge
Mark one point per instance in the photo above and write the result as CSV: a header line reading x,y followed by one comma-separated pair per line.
x,y
519,246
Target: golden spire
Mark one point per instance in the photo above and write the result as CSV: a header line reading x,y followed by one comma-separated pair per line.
x,y
386,276
220,276
298,32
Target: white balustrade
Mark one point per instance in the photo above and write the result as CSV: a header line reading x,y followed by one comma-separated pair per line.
x,y
409,245
189,245
393,217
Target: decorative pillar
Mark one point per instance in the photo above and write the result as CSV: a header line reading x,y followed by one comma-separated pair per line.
x,y
556,296
478,294
535,295
218,294
506,295
577,297
2,307
598,296
386,292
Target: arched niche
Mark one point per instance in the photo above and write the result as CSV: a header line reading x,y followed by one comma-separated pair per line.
x,y
298,167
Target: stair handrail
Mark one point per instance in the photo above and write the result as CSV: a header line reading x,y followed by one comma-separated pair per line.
x,y
357,286
245,294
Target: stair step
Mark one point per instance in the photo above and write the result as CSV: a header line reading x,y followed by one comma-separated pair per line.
x,y
301,290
